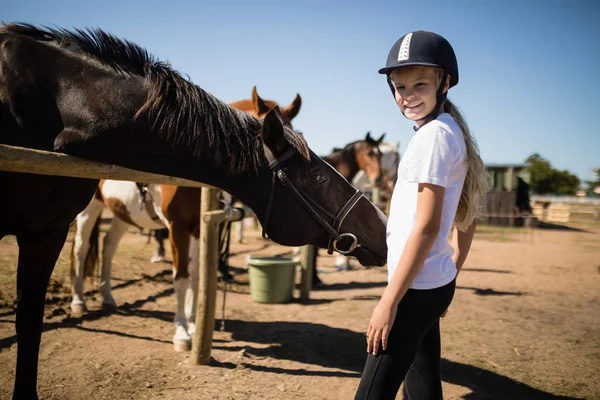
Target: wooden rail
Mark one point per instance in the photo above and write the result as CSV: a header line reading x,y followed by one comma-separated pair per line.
x,y
41,162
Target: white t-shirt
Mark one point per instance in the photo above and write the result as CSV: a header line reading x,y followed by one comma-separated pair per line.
x,y
436,154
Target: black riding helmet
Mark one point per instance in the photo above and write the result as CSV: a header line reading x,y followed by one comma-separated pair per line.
x,y
427,49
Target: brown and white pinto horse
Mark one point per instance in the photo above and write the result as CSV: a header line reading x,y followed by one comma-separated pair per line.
x,y
156,207
153,207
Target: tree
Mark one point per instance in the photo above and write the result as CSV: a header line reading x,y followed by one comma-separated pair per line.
x,y
547,180
591,185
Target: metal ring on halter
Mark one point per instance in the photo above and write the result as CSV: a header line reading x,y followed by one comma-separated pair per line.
x,y
353,246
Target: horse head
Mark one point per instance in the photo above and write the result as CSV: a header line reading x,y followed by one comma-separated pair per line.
x,y
368,157
310,202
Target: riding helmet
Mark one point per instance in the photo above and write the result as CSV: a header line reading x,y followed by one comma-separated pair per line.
x,y
423,48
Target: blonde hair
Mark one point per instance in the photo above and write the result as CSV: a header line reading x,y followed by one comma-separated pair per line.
x,y
477,183
471,204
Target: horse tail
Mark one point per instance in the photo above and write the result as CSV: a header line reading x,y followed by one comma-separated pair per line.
x,y
91,258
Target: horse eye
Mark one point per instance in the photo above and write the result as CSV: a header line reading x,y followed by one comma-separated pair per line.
x,y
317,179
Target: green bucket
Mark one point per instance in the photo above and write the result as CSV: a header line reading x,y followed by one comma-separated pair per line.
x,y
272,279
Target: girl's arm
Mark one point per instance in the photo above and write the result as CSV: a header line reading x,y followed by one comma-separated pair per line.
x,y
461,241
430,202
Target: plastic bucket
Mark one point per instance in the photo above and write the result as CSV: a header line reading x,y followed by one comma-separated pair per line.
x,y
272,279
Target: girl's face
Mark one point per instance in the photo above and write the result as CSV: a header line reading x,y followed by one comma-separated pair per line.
x,y
416,88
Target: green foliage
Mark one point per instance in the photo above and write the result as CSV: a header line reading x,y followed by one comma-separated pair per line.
x,y
547,180
590,185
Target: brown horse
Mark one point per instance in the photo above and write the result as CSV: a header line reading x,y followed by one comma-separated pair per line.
x,y
150,207
362,155
258,107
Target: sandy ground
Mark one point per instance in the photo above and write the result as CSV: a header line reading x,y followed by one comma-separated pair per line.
x,y
524,324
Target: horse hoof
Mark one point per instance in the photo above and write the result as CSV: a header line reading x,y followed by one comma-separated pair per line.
x,y
181,346
156,259
78,309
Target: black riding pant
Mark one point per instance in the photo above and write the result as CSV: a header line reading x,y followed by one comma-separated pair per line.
x,y
413,353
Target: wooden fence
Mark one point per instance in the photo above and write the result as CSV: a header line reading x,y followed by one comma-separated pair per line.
x,y
500,208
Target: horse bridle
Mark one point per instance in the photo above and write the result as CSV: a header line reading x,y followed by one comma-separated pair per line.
x,y
313,208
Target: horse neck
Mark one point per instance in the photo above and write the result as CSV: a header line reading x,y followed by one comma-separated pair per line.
x,y
344,161
333,159
229,156
349,156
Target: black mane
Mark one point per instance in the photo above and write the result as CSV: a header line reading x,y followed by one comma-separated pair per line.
x,y
181,113
121,55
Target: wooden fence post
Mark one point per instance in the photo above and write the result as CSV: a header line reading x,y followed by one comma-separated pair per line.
x,y
207,288
307,261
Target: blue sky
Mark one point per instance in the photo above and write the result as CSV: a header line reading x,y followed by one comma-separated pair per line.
x,y
528,69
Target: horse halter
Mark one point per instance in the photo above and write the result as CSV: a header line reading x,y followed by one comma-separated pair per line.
x,y
335,237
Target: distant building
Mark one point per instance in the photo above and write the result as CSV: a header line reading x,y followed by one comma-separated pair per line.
x,y
506,176
508,201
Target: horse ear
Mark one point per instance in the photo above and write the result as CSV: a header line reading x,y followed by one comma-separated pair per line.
x,y
380,140
293,108
368,138
259,105
272,130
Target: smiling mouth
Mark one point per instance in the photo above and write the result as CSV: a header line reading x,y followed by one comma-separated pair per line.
x,y
410,106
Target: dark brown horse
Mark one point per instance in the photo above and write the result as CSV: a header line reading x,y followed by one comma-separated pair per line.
x,y
361,155
90,94
150,207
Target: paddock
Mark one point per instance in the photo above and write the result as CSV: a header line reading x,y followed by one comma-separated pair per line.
x,y
524,324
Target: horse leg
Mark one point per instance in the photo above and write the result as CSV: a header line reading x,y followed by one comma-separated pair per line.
x,y
239,231
111,242
86,220
180,243
37,255
191,295
159,236
316,281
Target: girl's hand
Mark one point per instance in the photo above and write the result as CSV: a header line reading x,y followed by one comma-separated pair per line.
x,y
380,325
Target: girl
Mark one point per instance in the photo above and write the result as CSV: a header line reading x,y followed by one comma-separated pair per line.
x,y
441,180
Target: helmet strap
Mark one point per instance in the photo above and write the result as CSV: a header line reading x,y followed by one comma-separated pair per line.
x,y
393,89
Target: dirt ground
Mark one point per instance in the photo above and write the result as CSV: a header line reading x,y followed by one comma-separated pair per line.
x,y
524,324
